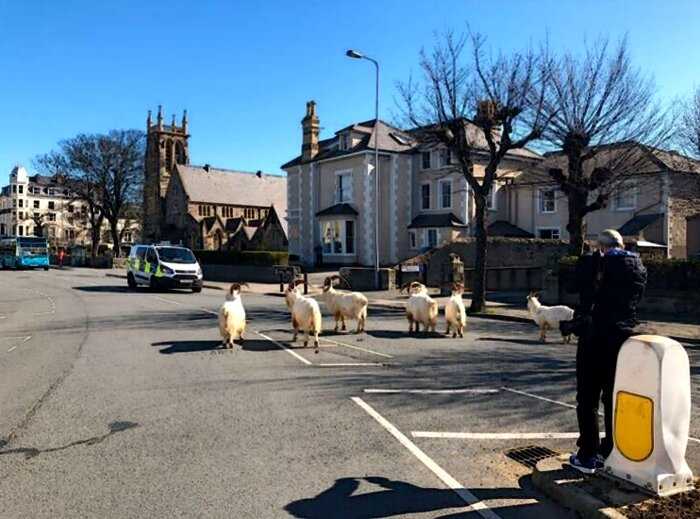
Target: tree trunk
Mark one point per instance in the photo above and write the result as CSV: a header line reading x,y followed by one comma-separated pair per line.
x,y
577,207
479,278
116,239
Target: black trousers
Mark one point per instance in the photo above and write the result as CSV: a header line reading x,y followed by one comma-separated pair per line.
x,y
596,361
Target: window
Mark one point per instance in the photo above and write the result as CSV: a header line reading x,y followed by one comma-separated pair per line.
x,y
425,160
204,210
21,215
491,198
151,256
432,235
412,241
52,192
51,217
349,237
548,201
445,157
343,141
425,196
338,236
343,187
14,202
21,202
548,233
70,208
227,212
249,213
36,204
625,197
445,194
20,230
52,204
36,216
14,188
21,189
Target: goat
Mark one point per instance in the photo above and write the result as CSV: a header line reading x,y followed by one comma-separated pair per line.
x,y
547,317
232,316
344,305
420,308
455,313
306,314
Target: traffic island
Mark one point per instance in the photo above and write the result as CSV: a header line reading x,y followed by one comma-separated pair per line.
x,y
598,497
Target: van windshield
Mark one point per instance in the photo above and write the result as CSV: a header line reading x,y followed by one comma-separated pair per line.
x,y
176,255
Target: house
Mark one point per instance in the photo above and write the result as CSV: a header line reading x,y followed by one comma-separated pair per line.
x,y
216,209
423,198
41,205
206,207
651,200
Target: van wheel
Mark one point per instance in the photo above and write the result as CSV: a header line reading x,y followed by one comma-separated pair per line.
x,y
153,283
46,268
196,290
131,281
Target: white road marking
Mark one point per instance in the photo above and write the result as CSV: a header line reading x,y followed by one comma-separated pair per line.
x,y
11,349
344,364
474,502
525,393
352,346
24,339
495,436
433,391
285,348
168,301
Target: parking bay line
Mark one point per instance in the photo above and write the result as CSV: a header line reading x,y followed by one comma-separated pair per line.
x,y
564,404
495,436
476,391
470,499
359,348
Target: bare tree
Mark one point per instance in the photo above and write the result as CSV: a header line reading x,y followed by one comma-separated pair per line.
x,y
481,107
604,118
104,172
689,131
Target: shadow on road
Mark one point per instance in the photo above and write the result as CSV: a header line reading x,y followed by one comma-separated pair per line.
x,y
398,498
187,346
104,289
510,340
399,334
31,452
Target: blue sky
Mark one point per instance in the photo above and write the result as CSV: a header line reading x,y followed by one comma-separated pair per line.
x,y
244,69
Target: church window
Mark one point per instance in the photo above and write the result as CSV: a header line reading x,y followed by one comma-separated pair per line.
x,y
169,154
249,213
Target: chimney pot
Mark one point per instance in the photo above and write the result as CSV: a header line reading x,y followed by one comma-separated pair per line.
x,y
310,131
206,168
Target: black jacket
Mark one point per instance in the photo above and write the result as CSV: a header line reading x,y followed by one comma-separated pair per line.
x,y
610,288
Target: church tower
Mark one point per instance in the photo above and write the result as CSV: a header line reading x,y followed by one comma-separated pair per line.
x,y
166,146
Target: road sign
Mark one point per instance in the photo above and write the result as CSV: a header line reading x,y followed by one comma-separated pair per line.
x,y
651,410
410,268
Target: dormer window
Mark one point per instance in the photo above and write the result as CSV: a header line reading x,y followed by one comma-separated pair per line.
x,y
425,160
344,141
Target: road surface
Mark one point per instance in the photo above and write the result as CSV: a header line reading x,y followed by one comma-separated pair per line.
x,y
121,404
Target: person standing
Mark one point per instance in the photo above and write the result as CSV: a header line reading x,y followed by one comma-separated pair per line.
x,y
610,282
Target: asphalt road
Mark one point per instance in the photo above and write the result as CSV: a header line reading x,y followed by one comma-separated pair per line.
x,y
121,404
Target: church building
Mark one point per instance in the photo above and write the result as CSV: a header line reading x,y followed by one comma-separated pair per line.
x,y
204,207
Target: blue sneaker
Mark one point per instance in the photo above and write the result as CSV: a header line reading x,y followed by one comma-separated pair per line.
x,y
585,465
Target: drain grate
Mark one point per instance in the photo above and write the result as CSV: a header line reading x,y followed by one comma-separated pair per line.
x,y
530,455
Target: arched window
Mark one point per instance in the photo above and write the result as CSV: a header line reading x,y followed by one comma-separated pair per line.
x,y
179,153
169,154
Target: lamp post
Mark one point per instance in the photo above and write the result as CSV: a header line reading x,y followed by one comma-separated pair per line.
x,y
358,55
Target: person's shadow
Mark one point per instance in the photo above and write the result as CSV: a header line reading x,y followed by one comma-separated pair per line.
x,y
396,498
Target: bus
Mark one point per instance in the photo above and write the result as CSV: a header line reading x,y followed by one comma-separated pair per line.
x,y
24,252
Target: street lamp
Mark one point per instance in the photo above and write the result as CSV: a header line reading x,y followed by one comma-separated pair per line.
x,y
358,55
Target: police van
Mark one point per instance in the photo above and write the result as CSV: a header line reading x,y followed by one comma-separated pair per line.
x,y
163,266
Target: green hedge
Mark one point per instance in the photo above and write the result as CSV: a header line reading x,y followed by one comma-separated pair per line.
x,y
262,258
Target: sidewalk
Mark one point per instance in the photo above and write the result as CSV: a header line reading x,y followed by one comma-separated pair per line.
x,y
688,333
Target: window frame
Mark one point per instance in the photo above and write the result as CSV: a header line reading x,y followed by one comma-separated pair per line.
x,y
441,195
540,200
413,239
339,174
430,196
549,228
491,199
629,190
423,155
341,239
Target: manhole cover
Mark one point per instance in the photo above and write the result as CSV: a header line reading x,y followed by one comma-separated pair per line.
x,y
530,455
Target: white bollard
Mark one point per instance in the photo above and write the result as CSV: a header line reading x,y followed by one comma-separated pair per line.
x,y
651,415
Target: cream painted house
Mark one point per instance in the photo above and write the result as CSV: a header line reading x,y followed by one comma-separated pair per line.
x,y
423,198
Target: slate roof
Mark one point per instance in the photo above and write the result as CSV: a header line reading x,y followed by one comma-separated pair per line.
x,y
436,220
507,230
391,139
338,209
637,224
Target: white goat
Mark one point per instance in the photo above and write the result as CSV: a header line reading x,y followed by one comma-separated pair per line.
x,y
455,313
232,317
306,314
344,305
420,308
548,317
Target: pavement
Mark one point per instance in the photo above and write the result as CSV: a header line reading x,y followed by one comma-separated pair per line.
x,y
118,403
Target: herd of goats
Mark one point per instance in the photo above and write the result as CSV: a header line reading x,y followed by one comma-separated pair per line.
x,y
421,309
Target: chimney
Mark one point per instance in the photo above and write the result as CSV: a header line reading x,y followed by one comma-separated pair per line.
x,y
486,111
258,174
148,121
206,168
310,130
160,117
184,121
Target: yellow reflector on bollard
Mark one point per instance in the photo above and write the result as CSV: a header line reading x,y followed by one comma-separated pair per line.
x,y
634,426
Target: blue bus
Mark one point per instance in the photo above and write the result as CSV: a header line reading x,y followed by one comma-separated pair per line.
x,y
24,252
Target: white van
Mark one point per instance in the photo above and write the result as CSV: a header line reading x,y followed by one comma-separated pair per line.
x,y
163,266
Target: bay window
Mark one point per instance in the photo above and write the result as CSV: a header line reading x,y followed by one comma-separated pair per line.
x,y
338,237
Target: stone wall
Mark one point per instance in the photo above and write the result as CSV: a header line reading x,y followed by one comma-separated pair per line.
x,y
684,202
501,252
